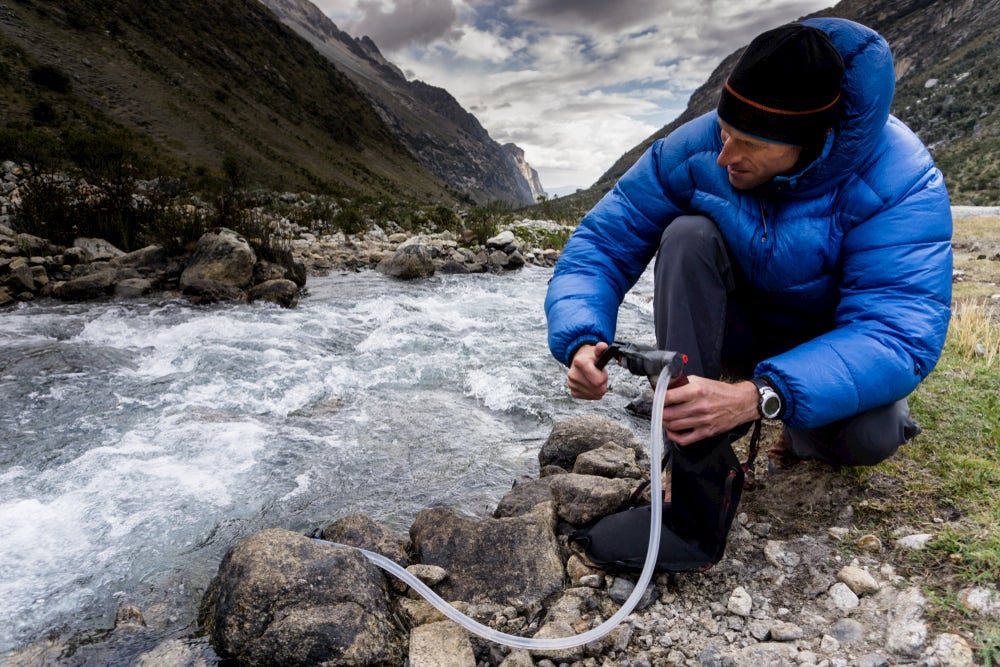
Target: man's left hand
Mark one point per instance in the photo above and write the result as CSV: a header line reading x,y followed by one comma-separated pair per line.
x,y
703,408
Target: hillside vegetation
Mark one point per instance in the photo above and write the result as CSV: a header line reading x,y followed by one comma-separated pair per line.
x,y
193,82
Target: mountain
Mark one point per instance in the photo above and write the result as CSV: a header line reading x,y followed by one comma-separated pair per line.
x,y
193,82
444,137
947,57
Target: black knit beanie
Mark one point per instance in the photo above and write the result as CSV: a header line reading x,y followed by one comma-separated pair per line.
x,y
785,87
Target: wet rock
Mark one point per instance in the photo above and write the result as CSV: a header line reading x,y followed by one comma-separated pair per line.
x,y
282,598
282,292
204,291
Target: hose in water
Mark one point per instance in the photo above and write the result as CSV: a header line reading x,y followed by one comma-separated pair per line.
x,y
559,643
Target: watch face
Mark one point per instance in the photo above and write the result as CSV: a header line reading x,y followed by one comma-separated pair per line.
x,y
770,405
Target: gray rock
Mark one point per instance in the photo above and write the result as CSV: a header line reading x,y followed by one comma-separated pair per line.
x,y
848,630
442,644
132,287
221,256
282,292
410,262
580,499
951,650
203,290
906,631
282,598
92,286
523,496
482,557
740,602
570,438
360,530
608,460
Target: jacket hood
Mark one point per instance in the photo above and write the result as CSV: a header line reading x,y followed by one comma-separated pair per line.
x,y
866,92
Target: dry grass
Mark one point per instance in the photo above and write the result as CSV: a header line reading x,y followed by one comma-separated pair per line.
x,y
975,331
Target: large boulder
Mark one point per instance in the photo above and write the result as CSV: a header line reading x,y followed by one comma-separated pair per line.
x,y
221,256
511,561
408,263
284,599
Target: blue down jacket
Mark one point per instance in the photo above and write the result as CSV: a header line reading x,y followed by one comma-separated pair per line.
x,y
860,238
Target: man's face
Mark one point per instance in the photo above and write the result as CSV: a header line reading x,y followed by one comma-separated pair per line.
x,y
751,161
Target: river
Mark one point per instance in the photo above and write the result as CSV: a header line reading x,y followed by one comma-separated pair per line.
x,y
139,440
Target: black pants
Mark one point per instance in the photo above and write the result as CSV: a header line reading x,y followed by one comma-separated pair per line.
x,y
705,309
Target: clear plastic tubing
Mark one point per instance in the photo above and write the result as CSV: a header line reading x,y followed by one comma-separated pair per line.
x,y
559,643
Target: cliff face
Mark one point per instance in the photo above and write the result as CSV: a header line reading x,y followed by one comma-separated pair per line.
x,y
947,57
445,138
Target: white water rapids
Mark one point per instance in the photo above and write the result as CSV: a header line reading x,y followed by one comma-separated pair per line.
x,y
140,439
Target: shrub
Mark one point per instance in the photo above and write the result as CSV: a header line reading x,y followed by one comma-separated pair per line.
x,y
51,77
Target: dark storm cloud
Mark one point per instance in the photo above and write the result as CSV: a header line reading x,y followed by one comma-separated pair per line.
x,y
415,22
590,14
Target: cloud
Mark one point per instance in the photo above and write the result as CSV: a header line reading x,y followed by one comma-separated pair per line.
x,y
405,23
575,83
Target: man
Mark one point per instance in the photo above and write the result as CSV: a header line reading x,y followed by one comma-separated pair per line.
x,y
802,242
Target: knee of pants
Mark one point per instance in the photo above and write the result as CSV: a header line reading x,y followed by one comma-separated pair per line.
x,y
875,436
690,233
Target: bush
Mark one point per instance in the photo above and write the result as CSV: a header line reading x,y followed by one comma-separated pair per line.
x,y
51,77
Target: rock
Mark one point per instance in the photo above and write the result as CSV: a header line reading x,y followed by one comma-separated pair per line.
x,y
861,582
282,598
952,651
580,499
915,542
848,630
981,599
443,644
150,258
282,292
905,631
92,286
360,530
786,632
132,287
221,256
410,262
570,438
842,597
511,561
608,460
501,240
203,290
523,496
97,249
740,602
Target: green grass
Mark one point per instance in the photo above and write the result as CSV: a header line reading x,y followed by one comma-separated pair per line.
x,y
947,481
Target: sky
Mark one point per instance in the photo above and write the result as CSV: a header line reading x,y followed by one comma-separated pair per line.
x,y
574,83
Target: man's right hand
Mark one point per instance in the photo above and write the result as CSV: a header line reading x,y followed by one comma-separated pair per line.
x,y
584,378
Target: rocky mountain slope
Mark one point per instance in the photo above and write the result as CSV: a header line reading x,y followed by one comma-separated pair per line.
x,y
193,82
445,138
947,54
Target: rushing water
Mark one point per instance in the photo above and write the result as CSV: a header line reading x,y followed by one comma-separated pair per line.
x,y
141,439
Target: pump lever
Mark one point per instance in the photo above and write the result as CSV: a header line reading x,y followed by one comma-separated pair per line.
x,y
646,360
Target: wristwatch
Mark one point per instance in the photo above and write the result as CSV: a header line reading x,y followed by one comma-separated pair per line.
x,y
770,405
